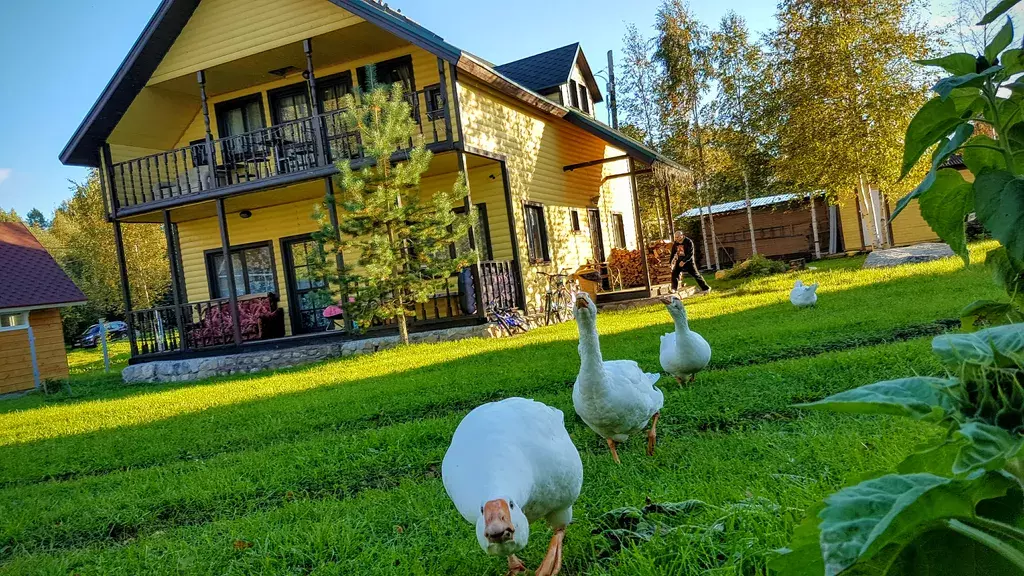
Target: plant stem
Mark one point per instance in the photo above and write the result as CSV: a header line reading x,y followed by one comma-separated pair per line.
x,y
990,96
996,526
984,538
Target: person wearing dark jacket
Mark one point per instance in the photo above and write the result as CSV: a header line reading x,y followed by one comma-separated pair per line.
x,y
683,252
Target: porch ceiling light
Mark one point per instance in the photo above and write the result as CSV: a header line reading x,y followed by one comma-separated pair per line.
x,y
245,214
283,72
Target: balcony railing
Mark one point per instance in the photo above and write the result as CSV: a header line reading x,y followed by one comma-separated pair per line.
x,y
203,326
264,155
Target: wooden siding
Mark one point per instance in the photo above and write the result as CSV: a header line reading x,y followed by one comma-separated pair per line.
x,y
536,149
907,229
296,218
16,358
795,238
224,30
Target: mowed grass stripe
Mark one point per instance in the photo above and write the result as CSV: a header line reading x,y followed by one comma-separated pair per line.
x,y
119,506
791,464
238,413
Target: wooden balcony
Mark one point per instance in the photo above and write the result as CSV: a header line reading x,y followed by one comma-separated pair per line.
x,y
271,157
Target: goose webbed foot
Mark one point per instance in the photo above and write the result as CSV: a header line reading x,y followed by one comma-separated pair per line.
x,y
680,380
693,378
515,566
552,563
615,453
652,434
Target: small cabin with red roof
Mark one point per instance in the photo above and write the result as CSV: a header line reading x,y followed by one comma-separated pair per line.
x,y
33,289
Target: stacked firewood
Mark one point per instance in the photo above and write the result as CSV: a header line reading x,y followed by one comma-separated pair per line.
x,y
659,258
628,264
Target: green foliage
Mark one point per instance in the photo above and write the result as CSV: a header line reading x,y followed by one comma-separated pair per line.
x,y
754,267
402,241
944,496
9,216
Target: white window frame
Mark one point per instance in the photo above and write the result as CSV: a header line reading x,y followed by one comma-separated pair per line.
x,y
22,321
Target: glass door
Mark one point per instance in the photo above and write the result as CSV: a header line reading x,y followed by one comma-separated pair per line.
x,y
596,235
307,296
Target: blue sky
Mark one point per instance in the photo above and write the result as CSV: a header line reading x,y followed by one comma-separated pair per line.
x,y
54,73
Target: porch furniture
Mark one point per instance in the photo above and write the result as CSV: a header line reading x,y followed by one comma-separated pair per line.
x,y
259,317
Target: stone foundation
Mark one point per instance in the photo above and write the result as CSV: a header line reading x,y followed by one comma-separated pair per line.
x,y
250,362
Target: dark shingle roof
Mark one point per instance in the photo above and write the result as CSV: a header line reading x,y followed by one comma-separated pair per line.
x,y
29,276
542,71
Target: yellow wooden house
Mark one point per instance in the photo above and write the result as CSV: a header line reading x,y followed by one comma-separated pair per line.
x,y
223,124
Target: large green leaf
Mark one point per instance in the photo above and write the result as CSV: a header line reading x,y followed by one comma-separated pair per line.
x,y
1012,62
945,207
935,457
956,350
1000,9
933,122
923,187
919,397
863,520
1009,274
999,201
946,86
988,448
978,159
956,64
1000,41
983,313
1006,342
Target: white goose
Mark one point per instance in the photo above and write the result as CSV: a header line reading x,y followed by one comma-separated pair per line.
x,y
804,296
510,463
683,352
615,398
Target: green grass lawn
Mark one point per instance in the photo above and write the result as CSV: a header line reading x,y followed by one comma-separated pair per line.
x,y
334,468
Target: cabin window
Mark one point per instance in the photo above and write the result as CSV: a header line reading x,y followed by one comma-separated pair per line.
x,y
584,99
253,267
289,103
618,231
574,219
574,94
536,234
240,115
389,72
480,231
13,321
331,91
435,102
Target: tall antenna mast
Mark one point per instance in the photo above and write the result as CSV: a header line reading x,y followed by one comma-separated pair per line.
x,y
613,106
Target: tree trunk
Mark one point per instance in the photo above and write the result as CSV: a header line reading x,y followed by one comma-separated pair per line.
x,y
714,239
750,212
403,326
704,236
814,230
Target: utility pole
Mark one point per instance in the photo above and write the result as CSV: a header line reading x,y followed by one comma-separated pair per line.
x,y
613,106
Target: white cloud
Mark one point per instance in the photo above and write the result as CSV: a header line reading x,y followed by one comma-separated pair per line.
x,y
5,173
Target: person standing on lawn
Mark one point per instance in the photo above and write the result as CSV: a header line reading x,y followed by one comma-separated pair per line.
x,y
683,252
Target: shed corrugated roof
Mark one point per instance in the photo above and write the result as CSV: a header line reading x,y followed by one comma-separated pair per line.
x,y
29,276
742,205
542,71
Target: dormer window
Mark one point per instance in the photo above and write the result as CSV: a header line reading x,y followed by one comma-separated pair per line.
x,y
574,94
584,99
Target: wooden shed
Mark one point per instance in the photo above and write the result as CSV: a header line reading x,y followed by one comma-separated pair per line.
x,y
33,289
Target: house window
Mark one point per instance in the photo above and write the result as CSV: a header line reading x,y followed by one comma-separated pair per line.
x,y
389,72
240,115
331,91
574,219
13,321
584,99
574,94
435,102
253,266
289,103
618,231
536,234
480,231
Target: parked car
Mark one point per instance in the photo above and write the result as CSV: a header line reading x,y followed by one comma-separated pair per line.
x,y
91,337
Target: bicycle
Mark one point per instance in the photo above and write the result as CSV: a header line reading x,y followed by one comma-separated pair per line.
x,y
560,299
509,319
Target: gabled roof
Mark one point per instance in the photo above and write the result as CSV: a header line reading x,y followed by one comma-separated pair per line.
x,y
547,70
31,277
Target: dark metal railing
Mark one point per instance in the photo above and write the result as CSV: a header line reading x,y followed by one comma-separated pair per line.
x,y
204,325
288,148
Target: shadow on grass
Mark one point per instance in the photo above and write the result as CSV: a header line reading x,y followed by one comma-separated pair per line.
x,y
332,397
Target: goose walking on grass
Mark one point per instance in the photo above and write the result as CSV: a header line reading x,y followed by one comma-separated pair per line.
x,y
804,296
511,463
615,398
683,352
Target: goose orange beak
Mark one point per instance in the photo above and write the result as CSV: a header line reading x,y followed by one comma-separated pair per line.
x,y
498,527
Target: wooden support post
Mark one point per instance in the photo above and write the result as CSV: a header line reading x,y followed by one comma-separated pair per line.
x,y
126,292
642,243
444,97
317,121
225,247
456,108
172,259
108,162
211,160
521,287
468,204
